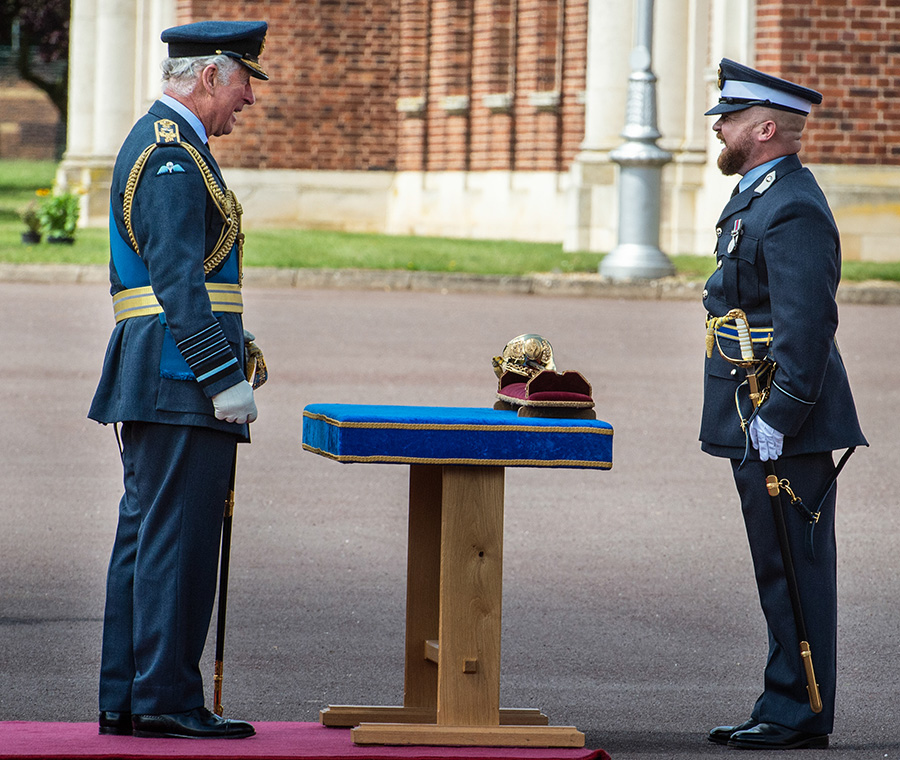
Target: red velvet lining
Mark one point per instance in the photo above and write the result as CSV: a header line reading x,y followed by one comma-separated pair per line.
x,y
514,390
557,396
547,386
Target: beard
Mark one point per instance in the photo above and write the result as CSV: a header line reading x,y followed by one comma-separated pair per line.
x,y
733,157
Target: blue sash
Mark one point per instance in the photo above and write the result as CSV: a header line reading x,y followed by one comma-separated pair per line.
x,y
133,273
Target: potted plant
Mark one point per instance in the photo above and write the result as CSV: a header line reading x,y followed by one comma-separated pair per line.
x,y
32,221
59,217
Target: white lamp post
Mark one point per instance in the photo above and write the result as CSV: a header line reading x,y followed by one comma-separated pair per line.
x,y
637,254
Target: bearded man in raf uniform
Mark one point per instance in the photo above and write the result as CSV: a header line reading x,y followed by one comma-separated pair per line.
x,y
778,264
174,377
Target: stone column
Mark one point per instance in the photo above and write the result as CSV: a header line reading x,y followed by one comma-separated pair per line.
x,y
591,223
678,58
116,65
732,29
82,74
101,93
159,15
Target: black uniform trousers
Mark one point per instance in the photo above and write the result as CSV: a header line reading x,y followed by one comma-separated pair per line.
x,y
785,700
161,584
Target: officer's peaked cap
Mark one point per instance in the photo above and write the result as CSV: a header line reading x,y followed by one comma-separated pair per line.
x,y
742,87
241,40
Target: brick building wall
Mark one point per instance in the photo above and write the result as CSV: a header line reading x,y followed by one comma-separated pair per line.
x,y
444,85
849,52
364,84
492,84
437,85
30,125
330,103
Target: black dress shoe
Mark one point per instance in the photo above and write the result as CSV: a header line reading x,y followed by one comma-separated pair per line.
x,y
773,736
116,723
198,723
721,734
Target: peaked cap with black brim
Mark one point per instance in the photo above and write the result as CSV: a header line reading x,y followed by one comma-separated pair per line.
x,y
241,40
742,87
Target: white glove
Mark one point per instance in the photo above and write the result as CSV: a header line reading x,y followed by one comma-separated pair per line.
x,y
235,404
766,439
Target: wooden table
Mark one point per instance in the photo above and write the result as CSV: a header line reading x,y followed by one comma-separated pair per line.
x,y
457,460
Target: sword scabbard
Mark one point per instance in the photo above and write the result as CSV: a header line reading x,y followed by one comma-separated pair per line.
x,y
753,382
815,699
217,687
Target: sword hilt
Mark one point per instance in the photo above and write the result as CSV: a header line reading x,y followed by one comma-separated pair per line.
x,y
745,341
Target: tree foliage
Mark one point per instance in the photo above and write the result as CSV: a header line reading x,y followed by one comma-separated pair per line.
x,y
43,38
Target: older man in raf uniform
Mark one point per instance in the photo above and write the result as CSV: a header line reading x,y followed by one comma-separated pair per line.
x,y
779,263
174,377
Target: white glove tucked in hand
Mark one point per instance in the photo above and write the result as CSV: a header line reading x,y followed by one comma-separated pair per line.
x,y
766,439
235,404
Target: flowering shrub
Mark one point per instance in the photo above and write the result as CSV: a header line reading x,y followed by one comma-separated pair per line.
x,y
58,215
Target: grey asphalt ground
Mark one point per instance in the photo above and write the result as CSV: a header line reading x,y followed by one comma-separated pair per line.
x,y
629,605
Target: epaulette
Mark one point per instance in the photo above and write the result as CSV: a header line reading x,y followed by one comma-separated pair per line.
x,y
166,131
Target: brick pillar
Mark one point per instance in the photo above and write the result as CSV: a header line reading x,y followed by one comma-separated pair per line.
x,y
412,103
574,80
540,70
494,85
449,103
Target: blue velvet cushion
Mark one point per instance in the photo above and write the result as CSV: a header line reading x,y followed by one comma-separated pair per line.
x,y
448,435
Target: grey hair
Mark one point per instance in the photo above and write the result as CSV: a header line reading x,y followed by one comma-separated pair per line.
x,y
180,75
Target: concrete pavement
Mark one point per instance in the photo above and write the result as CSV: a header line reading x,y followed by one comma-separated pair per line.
x,y
629,605
546,284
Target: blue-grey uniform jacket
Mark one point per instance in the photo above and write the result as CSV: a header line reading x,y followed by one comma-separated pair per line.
x,y
165,368
782,270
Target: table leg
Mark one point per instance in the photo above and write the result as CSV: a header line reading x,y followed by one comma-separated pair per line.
x,y
423,579
453,619
423,576
471,592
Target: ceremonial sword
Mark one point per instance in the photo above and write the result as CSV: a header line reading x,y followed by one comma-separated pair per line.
x,y
224,562
774,486
256,373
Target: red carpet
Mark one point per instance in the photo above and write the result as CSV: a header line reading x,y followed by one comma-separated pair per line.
x,y
22,740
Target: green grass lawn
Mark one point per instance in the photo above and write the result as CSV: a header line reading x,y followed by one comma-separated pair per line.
x,y
296,248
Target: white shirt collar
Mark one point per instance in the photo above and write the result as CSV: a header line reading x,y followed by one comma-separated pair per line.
x,y
188,115
756,172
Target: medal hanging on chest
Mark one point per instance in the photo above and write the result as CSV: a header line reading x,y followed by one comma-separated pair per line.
x,y
736,233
